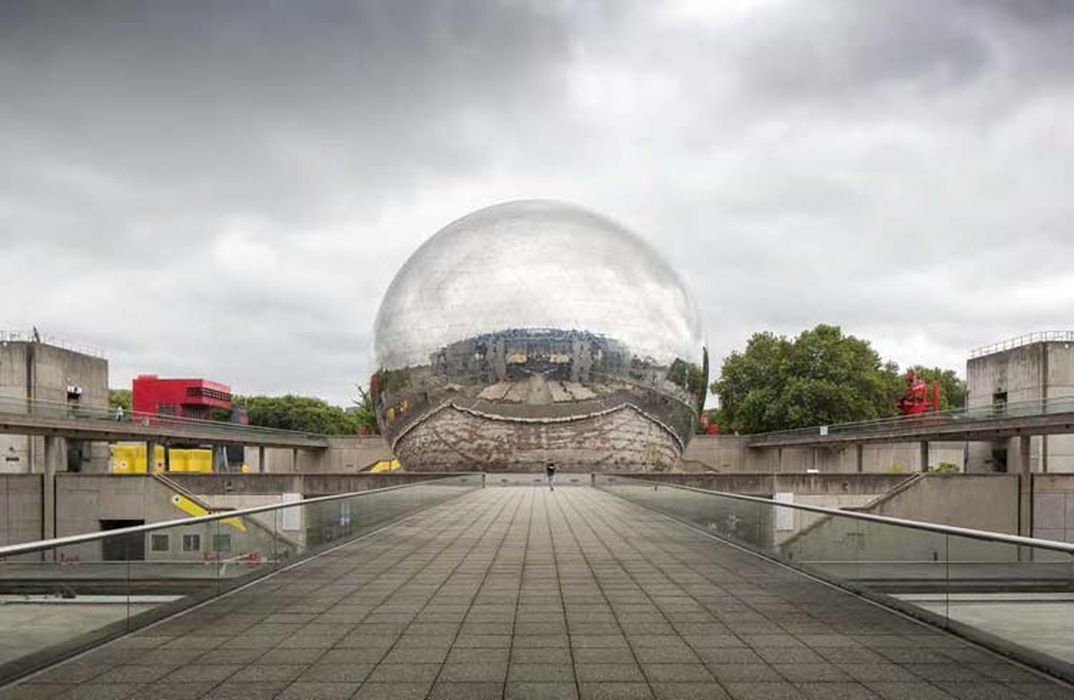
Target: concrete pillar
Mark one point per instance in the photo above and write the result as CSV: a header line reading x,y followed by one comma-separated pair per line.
x,y
150,456
1025,487
294,460
261,459
859,457
923,455
779,459
55,460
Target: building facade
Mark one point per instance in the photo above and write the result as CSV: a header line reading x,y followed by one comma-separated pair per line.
x,y
34,370
1031,368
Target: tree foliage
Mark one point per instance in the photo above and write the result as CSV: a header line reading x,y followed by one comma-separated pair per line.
x,y
302,413
952,387
363,410
119,398
820,377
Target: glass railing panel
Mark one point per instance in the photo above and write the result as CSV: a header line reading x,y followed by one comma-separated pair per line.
x,y
1017,597
67,597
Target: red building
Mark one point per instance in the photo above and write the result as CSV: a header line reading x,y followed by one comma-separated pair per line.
x,y
185,398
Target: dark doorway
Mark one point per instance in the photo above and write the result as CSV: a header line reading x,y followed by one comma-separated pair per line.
x,y
999,459
122,547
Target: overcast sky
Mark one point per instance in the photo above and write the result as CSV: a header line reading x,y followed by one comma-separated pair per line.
x,y
226,189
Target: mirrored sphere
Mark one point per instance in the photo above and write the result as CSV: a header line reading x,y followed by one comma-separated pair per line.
x,y
537,331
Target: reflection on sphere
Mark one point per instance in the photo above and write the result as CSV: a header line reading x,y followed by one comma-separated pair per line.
x,y
537,331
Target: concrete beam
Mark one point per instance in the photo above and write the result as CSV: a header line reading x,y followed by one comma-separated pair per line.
x,y
102,430
934,429
55,460
1025,487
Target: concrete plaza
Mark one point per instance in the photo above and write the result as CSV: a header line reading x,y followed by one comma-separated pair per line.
x,y
518,592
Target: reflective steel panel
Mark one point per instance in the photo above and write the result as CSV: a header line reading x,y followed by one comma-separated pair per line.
x,y
533,331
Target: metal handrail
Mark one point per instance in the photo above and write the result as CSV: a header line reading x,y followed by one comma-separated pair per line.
x,y
887,520
1034,407
1024,339
65,409
40,545
45,339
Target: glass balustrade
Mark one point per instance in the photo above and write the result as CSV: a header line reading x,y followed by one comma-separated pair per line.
x,y
1013,594
60,596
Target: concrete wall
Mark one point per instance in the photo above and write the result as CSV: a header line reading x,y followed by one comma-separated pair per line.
x,y
20,508
345,454
1053,507
730,454
828,485
40,371
1028,373
979,501
309,485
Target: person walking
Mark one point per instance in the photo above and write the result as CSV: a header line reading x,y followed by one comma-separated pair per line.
x,y
550,472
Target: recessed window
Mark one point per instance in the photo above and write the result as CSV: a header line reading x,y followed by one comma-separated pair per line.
x,y
191,543
221,543
159,543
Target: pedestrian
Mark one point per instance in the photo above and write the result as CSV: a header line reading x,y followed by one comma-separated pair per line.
x,y
119,413
550,472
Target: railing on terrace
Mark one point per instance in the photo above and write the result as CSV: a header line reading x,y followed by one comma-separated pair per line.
x,y
1026,339
949,418
24,337
987,586
132,576
76,410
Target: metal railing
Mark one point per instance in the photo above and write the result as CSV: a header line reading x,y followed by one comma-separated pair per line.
x,y
1025,339
41,545
140,574
78,410
933,419
44,339
982,585
971,533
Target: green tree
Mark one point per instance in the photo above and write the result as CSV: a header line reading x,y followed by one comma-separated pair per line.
x,y
364,412
952,387
119,398
302,413
820,377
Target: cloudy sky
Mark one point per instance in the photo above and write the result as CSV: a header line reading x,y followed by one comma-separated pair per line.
x,y
225,189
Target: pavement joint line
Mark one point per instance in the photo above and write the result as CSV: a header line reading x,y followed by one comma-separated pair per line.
x,y
641,587
895,611
484,578
518,594
559,584
227,594
462,531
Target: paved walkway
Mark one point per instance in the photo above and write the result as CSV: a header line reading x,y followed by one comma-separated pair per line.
x,y
516,592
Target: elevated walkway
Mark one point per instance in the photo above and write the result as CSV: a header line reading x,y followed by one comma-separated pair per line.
x,y
519,592
1046,417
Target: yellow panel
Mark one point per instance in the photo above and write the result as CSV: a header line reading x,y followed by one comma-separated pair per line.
x,y
191,508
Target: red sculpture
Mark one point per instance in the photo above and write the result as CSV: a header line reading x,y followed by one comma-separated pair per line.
x,y
916,398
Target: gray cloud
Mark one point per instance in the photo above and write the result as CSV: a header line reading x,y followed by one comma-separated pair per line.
x,y
227,189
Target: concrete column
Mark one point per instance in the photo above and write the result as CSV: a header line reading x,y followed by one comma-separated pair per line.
x,y
1025,487
859,457
261,459
55,460
150,456
923,455
294,460
779,459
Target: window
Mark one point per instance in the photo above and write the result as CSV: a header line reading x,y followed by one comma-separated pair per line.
x,y
159,543
191,543
221,543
